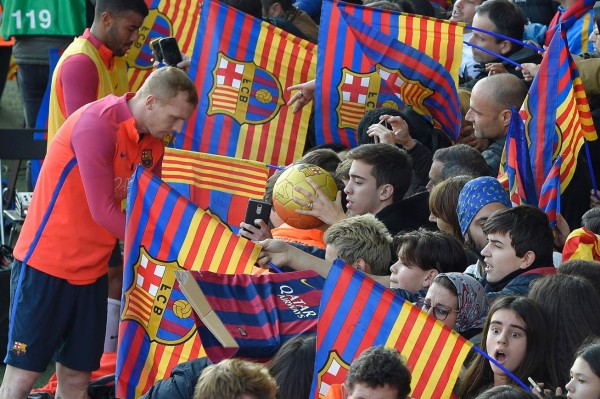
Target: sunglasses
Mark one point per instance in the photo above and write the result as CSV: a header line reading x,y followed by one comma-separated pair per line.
x,y
440,312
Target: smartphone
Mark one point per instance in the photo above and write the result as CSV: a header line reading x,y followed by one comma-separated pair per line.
x,y
257,209
170,51
156,51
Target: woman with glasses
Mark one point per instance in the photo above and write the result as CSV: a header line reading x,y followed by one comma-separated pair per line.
x,y
457,300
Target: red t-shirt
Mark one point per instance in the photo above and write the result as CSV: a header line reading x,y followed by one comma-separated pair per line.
x,y
77,209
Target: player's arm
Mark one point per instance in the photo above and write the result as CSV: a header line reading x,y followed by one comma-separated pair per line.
x,y
94,148
79,80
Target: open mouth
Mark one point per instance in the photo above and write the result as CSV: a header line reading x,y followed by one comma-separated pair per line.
x,y
500,356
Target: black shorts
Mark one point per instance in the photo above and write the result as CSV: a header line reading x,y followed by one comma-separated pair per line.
x,y
50,316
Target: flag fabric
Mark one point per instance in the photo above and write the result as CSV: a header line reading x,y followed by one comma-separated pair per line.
x,y
579,13
177,18
166,232
550,193
348,85
242,69
357,313
259,312
557,115
414,77
582,244
521,187
217,183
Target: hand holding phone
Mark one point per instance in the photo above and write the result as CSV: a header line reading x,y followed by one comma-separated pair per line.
x,y
170,51
257,210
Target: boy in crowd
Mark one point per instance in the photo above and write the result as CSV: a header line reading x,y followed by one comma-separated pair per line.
x,y
422,255
377,373
360,241
519,250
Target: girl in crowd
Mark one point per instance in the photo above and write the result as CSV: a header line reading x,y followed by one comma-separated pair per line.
x,y
515,336
457,300
585,372
442,205
570,306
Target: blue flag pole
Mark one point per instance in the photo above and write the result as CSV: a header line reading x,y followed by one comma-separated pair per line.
x,y
589,159
510,39
501,367
503,58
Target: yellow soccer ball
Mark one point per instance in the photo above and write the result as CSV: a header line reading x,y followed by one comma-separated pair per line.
x,y
295,175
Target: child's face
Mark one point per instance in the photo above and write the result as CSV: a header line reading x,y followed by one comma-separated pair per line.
x,y
500,257
584,383
410,278
506,341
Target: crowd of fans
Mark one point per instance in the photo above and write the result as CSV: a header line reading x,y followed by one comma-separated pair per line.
x,y
426,218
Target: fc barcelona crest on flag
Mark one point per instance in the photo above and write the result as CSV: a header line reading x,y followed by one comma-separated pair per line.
x,y
156,304
244,91
328,375
359,93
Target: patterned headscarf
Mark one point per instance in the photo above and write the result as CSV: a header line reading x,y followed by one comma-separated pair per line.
x,y
475,195
472,301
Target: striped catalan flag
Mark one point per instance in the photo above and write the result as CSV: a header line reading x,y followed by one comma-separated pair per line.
x,y
165,232
177,18
417,79
557,114
550,194
217,183
347,83
582,244
518,165
241,70
358,313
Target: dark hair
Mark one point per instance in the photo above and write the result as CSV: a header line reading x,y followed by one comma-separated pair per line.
x,y
529,230
507,17
423,7
588,269
590,352
461,160
479,374
591,220
286,5
324,158
378,366
570,304
119,6
371,117
506,392
337,147
293,365
251,7
431,249
443,200
342,172
391,165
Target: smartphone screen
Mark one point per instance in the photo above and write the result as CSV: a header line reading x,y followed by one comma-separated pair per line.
x,y
170,51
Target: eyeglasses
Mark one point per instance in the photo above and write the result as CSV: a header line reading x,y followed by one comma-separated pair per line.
x,y
439,312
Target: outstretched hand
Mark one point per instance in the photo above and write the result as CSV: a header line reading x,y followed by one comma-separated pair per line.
x,y
320,205
304,95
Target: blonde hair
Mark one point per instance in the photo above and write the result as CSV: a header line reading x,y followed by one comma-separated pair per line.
x,y
167,82
231,378
363,237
